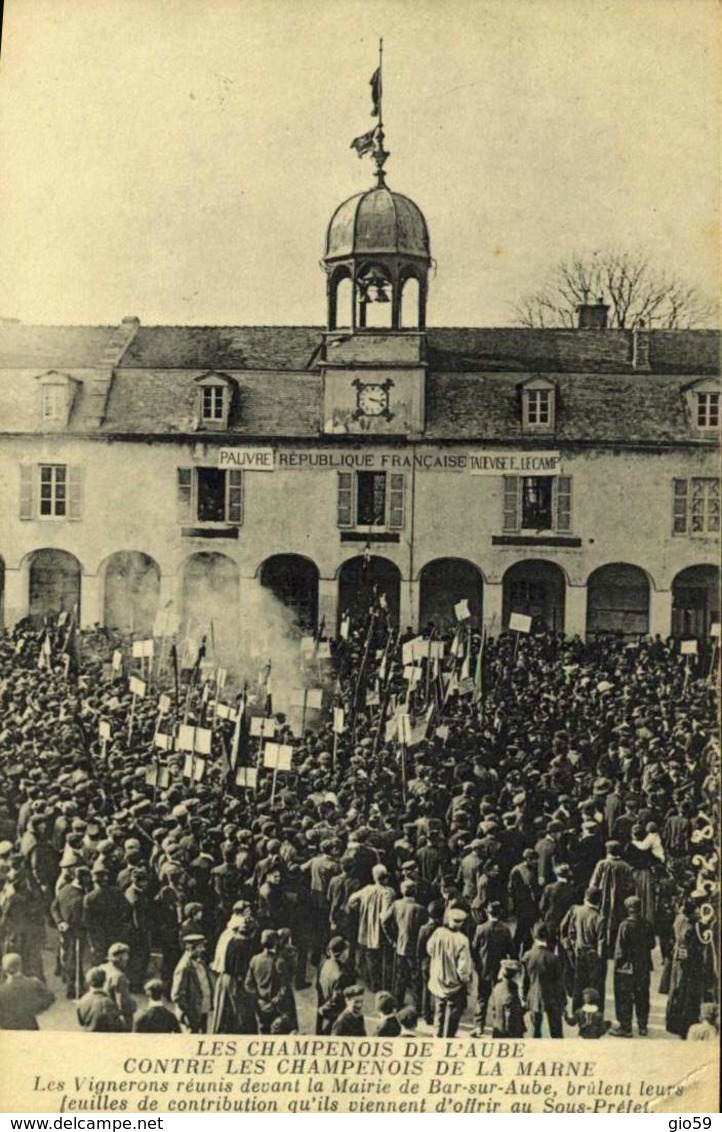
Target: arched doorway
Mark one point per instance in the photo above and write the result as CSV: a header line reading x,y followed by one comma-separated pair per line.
x,y
131,592
695,601
359,578
54,583
209,604
618,601
293,580
537,589
443,583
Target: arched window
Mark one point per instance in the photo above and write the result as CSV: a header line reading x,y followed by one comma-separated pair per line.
x,y
410,303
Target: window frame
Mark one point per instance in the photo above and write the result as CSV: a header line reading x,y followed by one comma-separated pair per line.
x,y
219,389
187,497
513,501
707,404
53,469
533,393
347,488
683,503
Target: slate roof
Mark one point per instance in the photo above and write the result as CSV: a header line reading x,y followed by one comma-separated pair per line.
x,y
473,383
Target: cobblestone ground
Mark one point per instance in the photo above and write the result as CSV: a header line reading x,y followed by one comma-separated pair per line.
x,y
61,1015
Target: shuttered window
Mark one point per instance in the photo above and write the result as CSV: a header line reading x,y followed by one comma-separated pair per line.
x,y
396,501
345,499
27,504
537,503
511,503
234,496
679,508
75,492
563,507
184,494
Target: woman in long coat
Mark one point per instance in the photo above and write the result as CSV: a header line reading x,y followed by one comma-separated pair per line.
x,y
686,986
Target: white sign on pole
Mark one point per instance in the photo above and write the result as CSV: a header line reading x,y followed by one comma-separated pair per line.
x,y
461,609
314,699
163,742
420,648
714,629
199,769
688,648
437,650
185,737
137,686
247,777
224,711
262,728
188,766
277,756
344,628
164,704
204,737
308,644
324,650
117,660
339,718
404,727
520,623
104,729
221,677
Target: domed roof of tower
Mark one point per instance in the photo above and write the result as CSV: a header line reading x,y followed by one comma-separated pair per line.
x,y
377,222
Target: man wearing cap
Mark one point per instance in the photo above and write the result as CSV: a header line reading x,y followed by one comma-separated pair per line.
x,y
506,1013
334,976
632,970
156,1018
267,983
583,941
556,900
491,945
106,914
402,924
117,984
68,915
192,989
350,1022
373,901
450,972
97,1012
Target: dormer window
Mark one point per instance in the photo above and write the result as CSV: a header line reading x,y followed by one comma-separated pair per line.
x,y
538,406
56,399
707,410
214,401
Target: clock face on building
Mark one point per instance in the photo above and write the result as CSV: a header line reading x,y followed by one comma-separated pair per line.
x,y
372,399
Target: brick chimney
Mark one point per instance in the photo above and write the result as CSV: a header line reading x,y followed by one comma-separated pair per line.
x,y
593,316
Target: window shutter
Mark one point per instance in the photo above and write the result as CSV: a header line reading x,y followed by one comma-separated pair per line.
x,y
184,494
396,500
345,499
679,508
27,503
234,496
563,486
511,503
75,491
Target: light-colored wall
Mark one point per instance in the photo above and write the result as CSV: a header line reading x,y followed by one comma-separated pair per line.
x,y
621,511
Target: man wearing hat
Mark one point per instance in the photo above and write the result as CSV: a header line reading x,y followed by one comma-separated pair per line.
x,y
268,984
450,972
556,899
402,924
632,970
524,899
506,1013
491,946
192,989
544,990
117,984
21,998
334,976
614,879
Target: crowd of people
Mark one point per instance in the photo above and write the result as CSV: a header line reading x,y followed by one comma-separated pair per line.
x,y
549,829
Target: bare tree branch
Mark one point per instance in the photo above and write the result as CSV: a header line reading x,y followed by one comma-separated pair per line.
x,y
635,290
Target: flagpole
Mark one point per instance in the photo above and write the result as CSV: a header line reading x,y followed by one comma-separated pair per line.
x,y
381,83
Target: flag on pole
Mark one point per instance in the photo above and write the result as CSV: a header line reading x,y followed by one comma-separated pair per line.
x,y
376,92
364,143
239,732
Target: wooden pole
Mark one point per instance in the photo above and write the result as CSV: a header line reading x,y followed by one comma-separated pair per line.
x,y
131,718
